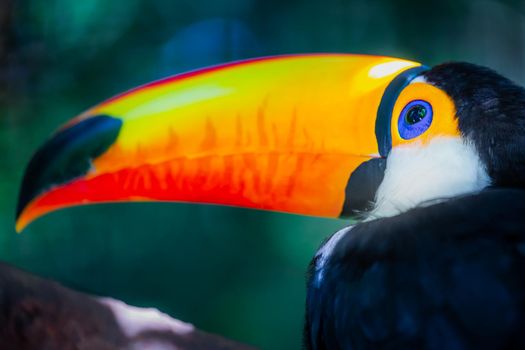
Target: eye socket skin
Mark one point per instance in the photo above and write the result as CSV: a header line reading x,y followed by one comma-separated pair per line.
x,y
443,124
415,118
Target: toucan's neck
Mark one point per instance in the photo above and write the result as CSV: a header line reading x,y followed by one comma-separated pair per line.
x,y
419,174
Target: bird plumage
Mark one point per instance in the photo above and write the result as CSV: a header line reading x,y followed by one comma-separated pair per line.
x,y
443,276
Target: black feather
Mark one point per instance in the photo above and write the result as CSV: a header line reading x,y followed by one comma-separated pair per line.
x,y
447,276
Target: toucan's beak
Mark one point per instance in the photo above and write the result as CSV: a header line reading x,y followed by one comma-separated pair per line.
x,y
281,133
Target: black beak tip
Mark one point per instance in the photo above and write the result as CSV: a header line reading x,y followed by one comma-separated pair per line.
x,y
66,156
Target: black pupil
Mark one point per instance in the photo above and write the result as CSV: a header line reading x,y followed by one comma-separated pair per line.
x,y
416,114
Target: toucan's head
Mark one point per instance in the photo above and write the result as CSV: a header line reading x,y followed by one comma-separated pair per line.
x,y
327,135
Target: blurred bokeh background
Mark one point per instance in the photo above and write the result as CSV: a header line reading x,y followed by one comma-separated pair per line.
x,y
236,272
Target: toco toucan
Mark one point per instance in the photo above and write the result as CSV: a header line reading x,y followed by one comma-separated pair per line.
x,y
428,162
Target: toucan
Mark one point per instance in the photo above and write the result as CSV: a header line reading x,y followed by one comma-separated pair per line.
x,y
428,163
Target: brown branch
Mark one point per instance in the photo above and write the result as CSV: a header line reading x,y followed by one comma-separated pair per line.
x,y
39,314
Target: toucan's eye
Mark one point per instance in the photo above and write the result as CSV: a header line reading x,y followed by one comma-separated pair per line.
x,y
415,119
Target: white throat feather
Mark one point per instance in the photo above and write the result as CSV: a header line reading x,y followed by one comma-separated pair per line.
x,y
445,167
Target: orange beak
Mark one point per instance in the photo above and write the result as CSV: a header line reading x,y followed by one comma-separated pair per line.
x,y
282,133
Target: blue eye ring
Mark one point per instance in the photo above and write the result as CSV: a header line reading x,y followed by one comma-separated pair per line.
x,y
415,119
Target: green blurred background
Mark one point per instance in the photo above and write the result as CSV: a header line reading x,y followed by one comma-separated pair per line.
x,y
231,271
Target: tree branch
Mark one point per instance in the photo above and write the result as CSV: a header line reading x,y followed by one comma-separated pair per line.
x,y
39,314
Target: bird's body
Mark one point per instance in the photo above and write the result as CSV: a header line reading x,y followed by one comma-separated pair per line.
x,y
449,275
432,160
